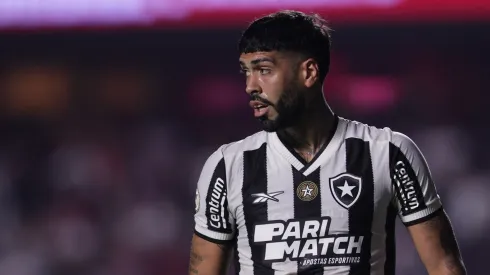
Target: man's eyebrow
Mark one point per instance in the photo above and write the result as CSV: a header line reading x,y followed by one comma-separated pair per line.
x,y
258,61
262,59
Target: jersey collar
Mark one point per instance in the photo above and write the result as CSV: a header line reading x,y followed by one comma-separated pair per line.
x,y
327,150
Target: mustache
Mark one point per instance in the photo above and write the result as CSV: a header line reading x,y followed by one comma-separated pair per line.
x,y
256,97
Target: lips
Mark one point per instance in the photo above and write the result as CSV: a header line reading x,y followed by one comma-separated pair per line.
x,y
255,104
260,108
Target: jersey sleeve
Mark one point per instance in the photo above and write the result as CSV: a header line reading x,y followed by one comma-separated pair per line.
x,y
213,220
415,193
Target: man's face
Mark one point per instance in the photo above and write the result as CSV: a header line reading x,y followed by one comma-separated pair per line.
x,y
274,89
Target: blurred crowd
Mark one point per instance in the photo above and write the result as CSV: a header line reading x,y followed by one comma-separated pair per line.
x,y
104,134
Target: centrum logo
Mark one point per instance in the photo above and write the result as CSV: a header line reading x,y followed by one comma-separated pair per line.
x,y
217,207
308,242
410,195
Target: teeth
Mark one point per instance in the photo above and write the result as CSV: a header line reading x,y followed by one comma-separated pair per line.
x,y
260,106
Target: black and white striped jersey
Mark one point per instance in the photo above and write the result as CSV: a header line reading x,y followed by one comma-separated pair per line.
x,y
333,215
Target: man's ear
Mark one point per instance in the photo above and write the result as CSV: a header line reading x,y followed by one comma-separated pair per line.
x,y
309,72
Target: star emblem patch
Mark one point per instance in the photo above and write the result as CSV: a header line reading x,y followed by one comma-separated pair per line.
x,y
307,191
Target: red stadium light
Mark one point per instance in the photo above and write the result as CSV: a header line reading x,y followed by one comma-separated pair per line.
x,y
29,14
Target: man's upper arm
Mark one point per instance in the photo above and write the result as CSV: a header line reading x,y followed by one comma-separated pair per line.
x,y
420,208
214,223
213,220
416,196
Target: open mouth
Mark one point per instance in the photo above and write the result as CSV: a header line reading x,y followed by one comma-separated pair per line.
x,y
260,108
257,105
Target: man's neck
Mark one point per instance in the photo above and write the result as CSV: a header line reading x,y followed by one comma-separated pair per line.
x,y
312,130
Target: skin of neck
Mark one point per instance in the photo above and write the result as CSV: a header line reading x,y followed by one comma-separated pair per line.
x,y
314,126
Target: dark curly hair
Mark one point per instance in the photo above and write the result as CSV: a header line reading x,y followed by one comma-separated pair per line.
x,y
291,31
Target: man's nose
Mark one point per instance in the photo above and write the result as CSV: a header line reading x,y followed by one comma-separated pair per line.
x,y
252,86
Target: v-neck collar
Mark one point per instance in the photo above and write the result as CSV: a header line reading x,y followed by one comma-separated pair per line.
x,y
298,162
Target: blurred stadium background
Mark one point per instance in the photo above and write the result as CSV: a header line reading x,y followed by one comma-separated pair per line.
x,y
109,108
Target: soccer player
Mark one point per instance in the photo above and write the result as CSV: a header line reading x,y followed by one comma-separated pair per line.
x,y
314,193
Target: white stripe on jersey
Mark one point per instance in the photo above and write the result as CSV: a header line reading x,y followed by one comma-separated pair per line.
x,y
243,247
330,208
283,209
378,241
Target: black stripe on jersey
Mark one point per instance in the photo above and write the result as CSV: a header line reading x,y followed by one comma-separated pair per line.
x,y
358,157
255,181
217,202
236,255
405,182
307,209
390,240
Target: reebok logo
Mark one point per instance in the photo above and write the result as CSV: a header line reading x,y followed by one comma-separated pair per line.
x,y
263,197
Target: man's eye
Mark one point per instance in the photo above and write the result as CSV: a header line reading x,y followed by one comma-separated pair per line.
x,y
264,71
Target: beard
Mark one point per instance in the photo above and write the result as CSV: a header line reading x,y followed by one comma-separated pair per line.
x,y
289,108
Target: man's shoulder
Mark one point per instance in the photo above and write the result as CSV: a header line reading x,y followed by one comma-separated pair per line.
x,y
370,133
376,135
251,142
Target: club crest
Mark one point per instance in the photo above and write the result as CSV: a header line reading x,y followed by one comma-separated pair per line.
x,y
346,189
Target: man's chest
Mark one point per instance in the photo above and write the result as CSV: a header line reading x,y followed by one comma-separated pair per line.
x,y
328,209
350,190
331,211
